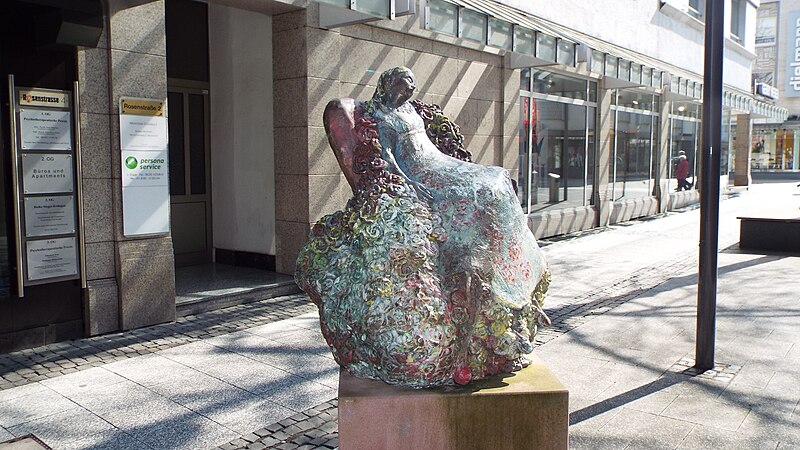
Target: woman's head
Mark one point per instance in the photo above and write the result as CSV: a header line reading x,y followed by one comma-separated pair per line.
x,y
395,86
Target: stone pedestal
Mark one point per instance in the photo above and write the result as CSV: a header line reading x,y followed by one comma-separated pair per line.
x,y
522,410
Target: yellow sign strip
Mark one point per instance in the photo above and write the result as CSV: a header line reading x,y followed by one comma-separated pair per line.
x,y
32,97
141,107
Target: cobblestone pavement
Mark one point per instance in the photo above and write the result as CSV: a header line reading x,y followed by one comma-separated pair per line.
x,y
50,361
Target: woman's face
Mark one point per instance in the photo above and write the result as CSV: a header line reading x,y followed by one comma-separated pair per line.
x,y
403,86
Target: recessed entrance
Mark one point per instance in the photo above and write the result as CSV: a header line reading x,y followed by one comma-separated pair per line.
x,y
189,174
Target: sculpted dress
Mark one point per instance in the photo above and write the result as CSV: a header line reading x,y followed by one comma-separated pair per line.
x,y
430,275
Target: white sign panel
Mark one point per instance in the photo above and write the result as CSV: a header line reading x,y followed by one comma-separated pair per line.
x,y
46,173
142,132
47,216
145,167
45,130
52,258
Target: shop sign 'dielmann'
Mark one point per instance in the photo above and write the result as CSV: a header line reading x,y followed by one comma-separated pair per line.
x,y
430,275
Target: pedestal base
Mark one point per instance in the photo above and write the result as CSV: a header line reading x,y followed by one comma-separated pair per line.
x,y
528,409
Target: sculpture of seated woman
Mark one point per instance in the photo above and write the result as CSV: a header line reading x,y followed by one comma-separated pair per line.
x,y
430,276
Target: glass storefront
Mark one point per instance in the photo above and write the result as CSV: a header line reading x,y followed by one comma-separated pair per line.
x,y
775,149
557,141
684,137
635,134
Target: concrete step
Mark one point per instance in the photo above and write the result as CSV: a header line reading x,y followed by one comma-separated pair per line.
x,y
199,302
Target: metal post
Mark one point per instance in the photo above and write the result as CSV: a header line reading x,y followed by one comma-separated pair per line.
x,y
709,188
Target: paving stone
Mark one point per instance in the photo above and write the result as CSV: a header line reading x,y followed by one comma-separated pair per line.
x,y
252,437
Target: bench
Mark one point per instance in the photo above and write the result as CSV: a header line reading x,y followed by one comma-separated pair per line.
x,y
769,233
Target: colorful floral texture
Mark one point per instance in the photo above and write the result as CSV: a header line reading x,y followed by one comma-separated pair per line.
x,y
429,276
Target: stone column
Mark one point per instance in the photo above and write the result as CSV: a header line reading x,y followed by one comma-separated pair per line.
x,y
744,130
510,122
661,159
602,196
137,67
101,297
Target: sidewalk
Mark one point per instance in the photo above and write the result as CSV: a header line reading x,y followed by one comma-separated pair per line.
x,y
622,303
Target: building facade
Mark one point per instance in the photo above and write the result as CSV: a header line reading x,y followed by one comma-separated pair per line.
x,y
775,145
588,117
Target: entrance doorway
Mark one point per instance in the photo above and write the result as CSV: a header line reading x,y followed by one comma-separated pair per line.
x,y
189,174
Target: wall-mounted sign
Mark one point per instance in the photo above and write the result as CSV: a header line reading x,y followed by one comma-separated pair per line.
x,y
52,258
139,169
50,99
142,132
141,107
45,157
46,173
793,58
767,90
145,167
45,130
47,216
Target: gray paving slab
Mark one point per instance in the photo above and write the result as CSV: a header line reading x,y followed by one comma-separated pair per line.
x,y
108,440
645,430
184,432
33,406
150,369
5,435
303,395
80,383
131,407
703,438
244,416
65,428
22,391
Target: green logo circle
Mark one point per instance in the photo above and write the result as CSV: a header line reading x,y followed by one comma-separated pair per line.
x,y
131,162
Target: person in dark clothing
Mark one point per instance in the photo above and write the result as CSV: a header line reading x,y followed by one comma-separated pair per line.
x,y
682,172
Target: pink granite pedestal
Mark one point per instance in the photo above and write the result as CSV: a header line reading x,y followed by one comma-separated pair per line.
x,y
522,410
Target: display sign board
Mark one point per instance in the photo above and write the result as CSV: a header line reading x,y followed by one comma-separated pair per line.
x,y
47,198
52,258
145,167
46,173
48,216
45,130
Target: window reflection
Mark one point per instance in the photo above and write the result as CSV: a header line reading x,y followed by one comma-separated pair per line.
x,y
684,137
557,148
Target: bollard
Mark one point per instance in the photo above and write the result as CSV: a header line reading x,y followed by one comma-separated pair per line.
x,y
555,184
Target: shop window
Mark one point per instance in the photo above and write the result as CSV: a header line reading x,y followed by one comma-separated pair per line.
x,y
524,40
379,8
697,9
473,26
766,30
557,142
566,53
442,17
502,33
635,128
545,47
684,134
737,20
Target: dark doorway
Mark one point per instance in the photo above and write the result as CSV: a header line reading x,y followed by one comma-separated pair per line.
x,y
49,312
